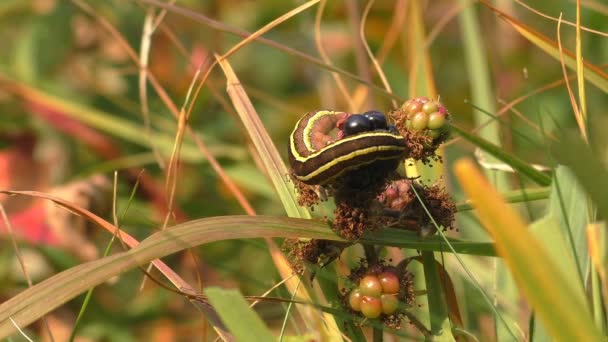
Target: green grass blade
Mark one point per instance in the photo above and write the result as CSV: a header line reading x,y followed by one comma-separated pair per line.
x,y
238,317
560,307
121,128
514,196
506,157
587,168
33,303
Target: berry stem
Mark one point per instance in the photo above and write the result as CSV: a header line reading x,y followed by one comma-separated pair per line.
x,y
370,254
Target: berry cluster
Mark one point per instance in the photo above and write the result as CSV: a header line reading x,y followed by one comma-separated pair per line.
x,y
426,115
376,294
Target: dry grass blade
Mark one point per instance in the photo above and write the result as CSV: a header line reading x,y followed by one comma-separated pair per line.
x,y
273,164
577,113
241,33
569,23
593,73
276,170
327,60
370,54
268,27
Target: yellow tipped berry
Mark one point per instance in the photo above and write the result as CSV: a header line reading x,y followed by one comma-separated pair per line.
x,y
419,121
436,120
370,286
354,299
371,307
389,281
430,107
390,303
414,107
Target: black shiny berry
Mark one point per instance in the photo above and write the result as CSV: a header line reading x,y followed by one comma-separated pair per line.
x,y
357,123
377,119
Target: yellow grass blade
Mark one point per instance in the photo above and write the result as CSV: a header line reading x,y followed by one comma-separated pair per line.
x,y
561,309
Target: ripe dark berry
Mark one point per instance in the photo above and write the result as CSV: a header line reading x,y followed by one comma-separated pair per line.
x,y
377,119
357,123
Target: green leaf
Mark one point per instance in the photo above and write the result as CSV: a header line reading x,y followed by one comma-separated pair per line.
x,y
238,317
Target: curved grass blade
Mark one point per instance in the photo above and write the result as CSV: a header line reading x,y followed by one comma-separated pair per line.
x,y
537,276
498,152
31,304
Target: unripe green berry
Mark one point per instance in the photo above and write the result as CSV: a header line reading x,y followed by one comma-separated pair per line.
x,y
430,107
371,307
436,120
419,121
354,299
434,133
370,286
390,303
389,281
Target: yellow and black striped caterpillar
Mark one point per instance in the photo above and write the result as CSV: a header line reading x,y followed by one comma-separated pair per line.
x,y
318,158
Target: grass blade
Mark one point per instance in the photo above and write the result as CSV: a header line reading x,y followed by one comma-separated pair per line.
x,y
235,312
31,304
541,281
506,157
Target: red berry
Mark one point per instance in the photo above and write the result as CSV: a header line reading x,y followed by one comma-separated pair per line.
x,y
370,286
390,303
389,281
371,307
354,300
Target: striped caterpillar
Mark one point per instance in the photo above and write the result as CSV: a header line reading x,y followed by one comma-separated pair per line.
x,y
318,158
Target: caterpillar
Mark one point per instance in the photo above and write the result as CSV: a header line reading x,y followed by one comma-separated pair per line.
x,y
318,158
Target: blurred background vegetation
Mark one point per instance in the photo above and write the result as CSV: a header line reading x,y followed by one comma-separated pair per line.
x,y
72,110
